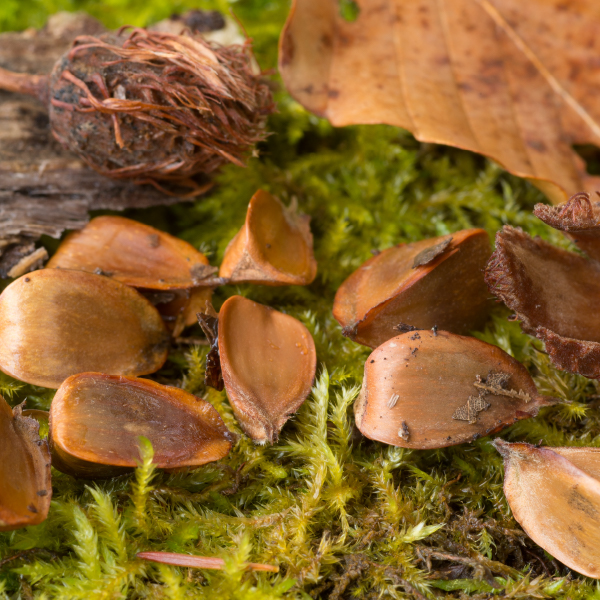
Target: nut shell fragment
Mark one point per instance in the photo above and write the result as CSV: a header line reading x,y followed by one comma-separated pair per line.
x,y
25,486
434,282
268,360
554,493
554,293
96,420
431,390
133,253
274,247
55,323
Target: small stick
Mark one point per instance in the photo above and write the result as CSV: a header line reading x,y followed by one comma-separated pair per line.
x,y
198,562
23,83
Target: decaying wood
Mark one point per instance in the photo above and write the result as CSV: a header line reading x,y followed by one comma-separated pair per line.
x,y
45,189
516,81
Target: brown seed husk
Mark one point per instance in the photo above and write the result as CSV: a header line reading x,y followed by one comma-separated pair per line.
x,y
158,108
96,421
554,293
55,323
133,253
434,282
428,389
274,247
554,493
25,486
579,218
268,360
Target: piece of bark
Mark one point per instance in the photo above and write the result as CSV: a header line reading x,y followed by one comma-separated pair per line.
x,y
579,218
44,189
554,293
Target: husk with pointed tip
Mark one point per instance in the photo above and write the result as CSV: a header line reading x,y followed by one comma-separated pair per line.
x,y
445,288
273,247
268,361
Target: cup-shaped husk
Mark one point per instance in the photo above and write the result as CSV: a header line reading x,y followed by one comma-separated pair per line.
x,y
96,420
133,253
555,294
426,389
554,493
268,360
274,246
579,218
25,486
435,282
55,323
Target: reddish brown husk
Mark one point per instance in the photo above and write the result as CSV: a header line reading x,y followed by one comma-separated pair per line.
x,y
426,389
554,493
133,253
435,282
96,421
25,486
273,247
155,107
268,361
579,218
555,295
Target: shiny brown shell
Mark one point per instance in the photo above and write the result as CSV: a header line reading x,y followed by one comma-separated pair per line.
x,y
425,389
268,360
554,293
25,486
133,253
274,246
96,421
435,282
554,493
55,323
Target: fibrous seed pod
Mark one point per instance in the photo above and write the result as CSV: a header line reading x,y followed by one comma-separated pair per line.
x,y
55,323
274,246
25,486
554,493
579,218
434,282
96,420
135,254
268,360
432,389
553,293
153,107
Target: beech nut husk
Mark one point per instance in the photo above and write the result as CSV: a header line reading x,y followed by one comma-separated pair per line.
x,y
55,323
268,361
96,421
553,293
274,246
133,253
25,486
427,389
434,282
554,494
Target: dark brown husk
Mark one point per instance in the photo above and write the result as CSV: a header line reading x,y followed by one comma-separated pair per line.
x,y
157,107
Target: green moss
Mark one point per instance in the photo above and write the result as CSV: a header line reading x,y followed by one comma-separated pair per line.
x,y
344,517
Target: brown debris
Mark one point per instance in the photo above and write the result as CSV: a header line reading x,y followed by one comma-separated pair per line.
x,y
554,493
268,361
436,405
552,292
57,322
274,246
209,322
434,282
96,421
579,218
26,489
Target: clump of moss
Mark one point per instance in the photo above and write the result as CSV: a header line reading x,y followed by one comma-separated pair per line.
x,y
343,516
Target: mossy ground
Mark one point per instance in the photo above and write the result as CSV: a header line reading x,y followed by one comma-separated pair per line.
x,y
344,517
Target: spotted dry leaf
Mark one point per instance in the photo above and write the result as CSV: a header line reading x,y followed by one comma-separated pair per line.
x,y
515,81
